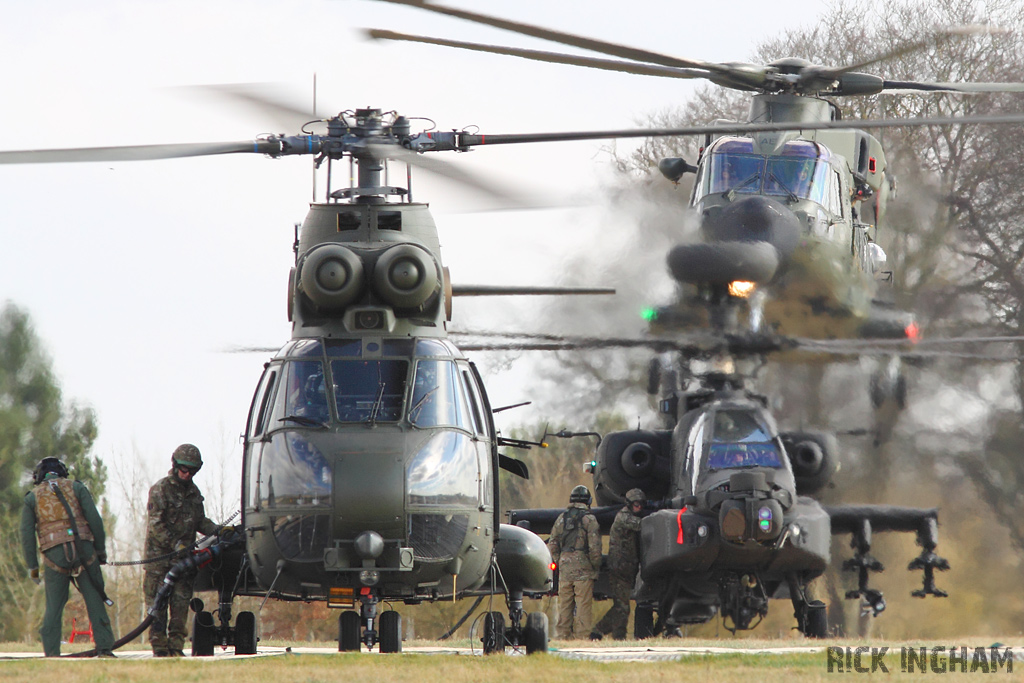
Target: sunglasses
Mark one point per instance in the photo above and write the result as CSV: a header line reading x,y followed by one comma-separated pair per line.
x,y
185,469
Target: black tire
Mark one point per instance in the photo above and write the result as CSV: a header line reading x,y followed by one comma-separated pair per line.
x,y
643,622
876,391
203,635
245,633
901,391
390,627
494,633
723,262
815,620
349,625
535,635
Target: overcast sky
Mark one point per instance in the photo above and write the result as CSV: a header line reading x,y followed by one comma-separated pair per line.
x,y
139,275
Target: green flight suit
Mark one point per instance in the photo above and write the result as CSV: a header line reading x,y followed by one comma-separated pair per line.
x,y
88,556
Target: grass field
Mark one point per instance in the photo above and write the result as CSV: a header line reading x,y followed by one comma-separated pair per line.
x,y
449,668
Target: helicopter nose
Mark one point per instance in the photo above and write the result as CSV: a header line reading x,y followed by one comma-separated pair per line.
x,y
754,219
723,262
746,240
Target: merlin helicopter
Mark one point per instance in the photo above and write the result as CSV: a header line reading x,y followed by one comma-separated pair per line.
x,y
788,208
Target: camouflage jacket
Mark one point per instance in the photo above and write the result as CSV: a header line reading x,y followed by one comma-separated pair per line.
x,y
575,544
624,544
176,513
80,502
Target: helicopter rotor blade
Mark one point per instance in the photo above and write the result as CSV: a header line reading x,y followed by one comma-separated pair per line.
x,y
468,140
594,45
452,172
139,152
545,56
502,290
707,344
893,87
256,96
929,41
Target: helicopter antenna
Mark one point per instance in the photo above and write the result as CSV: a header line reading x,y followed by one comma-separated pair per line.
x,y
314,161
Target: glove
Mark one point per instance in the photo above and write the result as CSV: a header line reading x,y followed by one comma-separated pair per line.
x,y
34,575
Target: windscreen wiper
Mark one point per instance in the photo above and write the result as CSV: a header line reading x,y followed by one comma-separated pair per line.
x,y
304,421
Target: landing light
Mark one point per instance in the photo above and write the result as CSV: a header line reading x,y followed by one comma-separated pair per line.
x,y
369,577
741,289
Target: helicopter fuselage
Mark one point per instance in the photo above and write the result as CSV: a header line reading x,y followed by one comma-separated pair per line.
x,y
794,213
369,463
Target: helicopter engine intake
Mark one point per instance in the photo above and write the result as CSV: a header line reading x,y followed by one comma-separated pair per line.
x,y
405,276
814,457
632,459
332,277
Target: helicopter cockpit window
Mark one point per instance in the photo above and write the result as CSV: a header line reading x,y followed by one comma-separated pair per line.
x,y
738,439
369,390
432,347
740,173
436,398
293,472
306,348
349,348
801,178
261,403
305,398
799,170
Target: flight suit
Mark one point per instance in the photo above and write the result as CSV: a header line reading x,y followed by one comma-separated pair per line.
x,y
64,559
175,513
575,545
623,563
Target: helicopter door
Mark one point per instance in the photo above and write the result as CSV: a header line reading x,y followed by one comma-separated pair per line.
x,y
483,440
259,414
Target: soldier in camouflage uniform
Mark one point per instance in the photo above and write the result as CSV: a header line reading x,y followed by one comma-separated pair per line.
x,y
575,545
73,548
623,563
175,513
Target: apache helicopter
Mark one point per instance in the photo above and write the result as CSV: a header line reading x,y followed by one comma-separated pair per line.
x,y
789,203
731,522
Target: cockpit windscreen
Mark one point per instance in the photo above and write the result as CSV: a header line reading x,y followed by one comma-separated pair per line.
x,y
739,440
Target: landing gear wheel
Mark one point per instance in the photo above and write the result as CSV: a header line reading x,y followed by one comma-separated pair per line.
x,y
535,635
245,633
203,635
348,631
494,633
815,620
390,626
643,622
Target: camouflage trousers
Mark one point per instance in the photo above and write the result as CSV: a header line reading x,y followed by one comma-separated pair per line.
x,y
168,634
616,619
575,609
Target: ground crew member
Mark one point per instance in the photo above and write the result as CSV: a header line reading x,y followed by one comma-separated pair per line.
x,y
623,563
73,544
175,514
575,545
